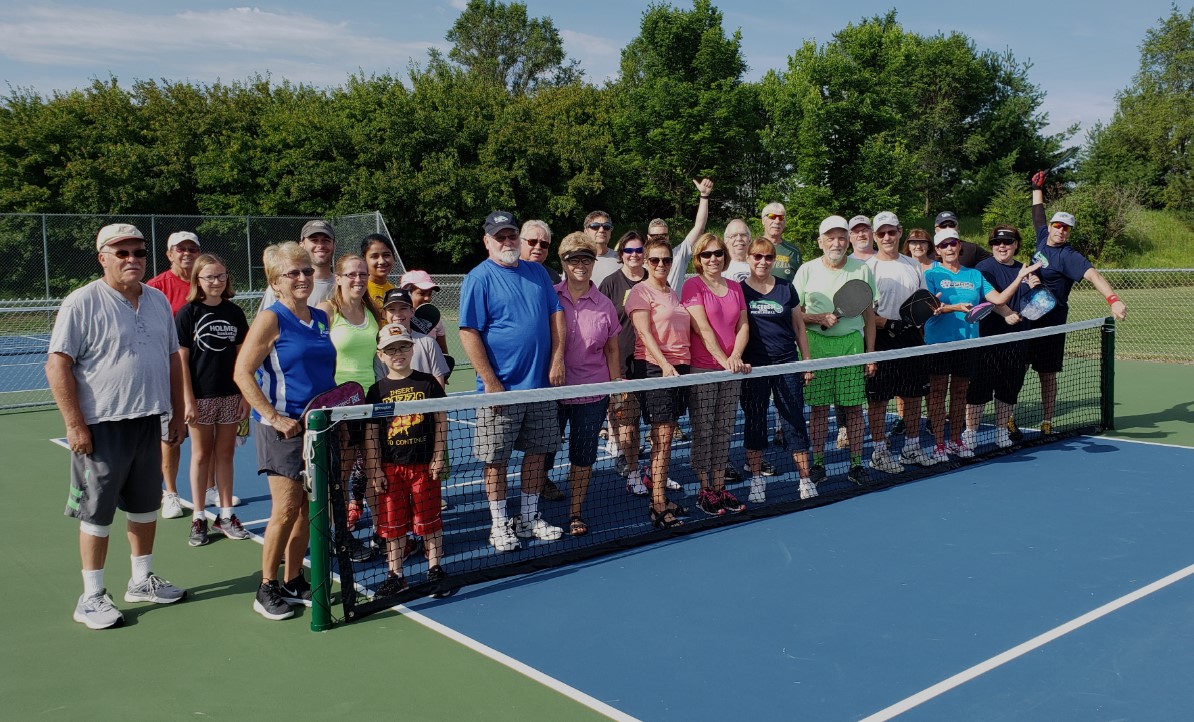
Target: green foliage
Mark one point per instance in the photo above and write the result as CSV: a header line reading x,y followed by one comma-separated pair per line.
x,y
498,42
1149,142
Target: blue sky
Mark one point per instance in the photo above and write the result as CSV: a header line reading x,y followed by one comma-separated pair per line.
x,y
1082,52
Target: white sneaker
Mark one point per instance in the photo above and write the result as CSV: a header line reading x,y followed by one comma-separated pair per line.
x,y
970,439
212,498
940,454
97,611
916,455
634,483
758,490
962,451
537,528
171,506
673,485
807,488
611,446
1003,438
502,538
882,460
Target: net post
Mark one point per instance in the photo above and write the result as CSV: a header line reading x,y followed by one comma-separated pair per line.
x,y
1107,374
317,465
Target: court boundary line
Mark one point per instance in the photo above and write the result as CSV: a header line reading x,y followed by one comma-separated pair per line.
x,y
1110,435
1020,650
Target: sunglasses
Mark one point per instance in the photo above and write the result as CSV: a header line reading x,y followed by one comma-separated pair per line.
x,y
292,275
774,216
601,226
657,260
768,257
633,251
948,244
186,249
1003,242
706,255
542,244
221,277
1059,226
125,253
948,224
885,234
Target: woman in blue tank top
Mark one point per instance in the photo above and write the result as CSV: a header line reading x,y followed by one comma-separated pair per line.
x,y
286,360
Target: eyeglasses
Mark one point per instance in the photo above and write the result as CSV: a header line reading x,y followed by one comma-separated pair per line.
x,y
948,224
706,255
125,253
221,277
583,261
601,226
186,249
657,260
774,216
768,257
393,351
293,275
1060,226
657,236
532,243
633,251
948,244
355,275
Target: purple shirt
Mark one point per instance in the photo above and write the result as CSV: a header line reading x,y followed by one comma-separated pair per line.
x,y
590,323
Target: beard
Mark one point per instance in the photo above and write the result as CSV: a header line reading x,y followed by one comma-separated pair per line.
x,y
507,256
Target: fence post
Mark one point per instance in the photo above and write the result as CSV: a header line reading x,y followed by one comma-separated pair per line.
x,y
249,249
45,253
318,462
153,237
1107,374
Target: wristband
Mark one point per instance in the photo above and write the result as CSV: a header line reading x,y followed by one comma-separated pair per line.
x,y
704,198
1112,299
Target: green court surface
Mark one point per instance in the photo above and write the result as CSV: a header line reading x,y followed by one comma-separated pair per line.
x,y
213,657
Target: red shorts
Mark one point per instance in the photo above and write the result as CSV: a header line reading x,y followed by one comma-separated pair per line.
x,y
409,487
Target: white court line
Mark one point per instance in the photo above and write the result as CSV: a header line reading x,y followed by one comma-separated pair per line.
x,y
1038,641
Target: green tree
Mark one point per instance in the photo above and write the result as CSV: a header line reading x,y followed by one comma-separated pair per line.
x,y
1149,143
497,41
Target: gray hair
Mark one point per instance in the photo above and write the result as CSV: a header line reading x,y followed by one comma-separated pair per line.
x,y
773,207
535,224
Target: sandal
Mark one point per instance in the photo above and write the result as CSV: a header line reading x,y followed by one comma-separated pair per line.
x,y
675,508
578,526
665,519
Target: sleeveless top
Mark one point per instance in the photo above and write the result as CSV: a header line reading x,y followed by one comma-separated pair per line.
x,y
301,364
356,347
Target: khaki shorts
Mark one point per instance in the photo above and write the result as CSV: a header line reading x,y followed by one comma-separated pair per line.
x,y
532,428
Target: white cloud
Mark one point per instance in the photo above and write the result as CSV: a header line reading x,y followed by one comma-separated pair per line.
x,y
598,56
459,4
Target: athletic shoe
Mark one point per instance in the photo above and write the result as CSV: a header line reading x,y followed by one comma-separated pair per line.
x,y
394,584
212,497
709,501
1046,428
730,503
230,527
551,492
765,469
732,476
1003,439
611,446
620,465
198,536
858,475
353,515
296,591
843,438
970,439
960,450
1013,431
671,484
635,485
882,460
807,489
679,435
898,428
154,589
413,546
940,454
502,538
758,490
171,506
916,455
269,602
359,551
436,577
817,473
537,528
97,611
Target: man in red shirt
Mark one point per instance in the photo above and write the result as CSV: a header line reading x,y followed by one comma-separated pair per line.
x,y
182,248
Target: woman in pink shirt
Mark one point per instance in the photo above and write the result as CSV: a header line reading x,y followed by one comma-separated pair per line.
x,y
720,330
662,349
590,357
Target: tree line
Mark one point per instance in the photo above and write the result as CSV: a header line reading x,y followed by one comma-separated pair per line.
x,y
876,118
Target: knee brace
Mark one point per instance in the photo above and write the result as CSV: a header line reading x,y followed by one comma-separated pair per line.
x,y
94,530
145,517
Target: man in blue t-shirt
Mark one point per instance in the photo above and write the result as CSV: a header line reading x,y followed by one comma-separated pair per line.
x,y
512,328
1061,267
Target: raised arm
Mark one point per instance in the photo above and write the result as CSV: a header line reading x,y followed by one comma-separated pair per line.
x,y
682,253
1038,199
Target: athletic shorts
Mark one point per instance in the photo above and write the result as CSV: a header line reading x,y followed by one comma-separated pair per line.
x,y
660,406
1001,375
411,495
585,422
218,410
277,457
1047,353
123,471
962,364
907,377
531,428
844,386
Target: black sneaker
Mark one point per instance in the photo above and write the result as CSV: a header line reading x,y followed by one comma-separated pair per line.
x,y
817,473
551,492
858,475
359,551
436,576
1013,431
296,591
732,475
269,602
393,585
198,536
898,428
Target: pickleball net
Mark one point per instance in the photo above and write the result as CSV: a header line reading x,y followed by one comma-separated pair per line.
x,y
352,549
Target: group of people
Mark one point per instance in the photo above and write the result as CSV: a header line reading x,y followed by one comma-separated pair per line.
x,y
130,366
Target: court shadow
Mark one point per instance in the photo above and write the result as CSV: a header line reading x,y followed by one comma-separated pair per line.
x,y
1145,426
241,586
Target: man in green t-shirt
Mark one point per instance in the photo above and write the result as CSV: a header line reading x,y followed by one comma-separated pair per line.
x,y
787,255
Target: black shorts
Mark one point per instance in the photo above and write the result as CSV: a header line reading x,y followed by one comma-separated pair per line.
x,y
962,363
1047,353
906,377
277,457
1001,374
660,406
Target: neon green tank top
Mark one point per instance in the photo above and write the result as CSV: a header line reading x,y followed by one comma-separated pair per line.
x,y
356,347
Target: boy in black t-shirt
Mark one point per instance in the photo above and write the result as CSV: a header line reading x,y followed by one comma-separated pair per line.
x,y
405,459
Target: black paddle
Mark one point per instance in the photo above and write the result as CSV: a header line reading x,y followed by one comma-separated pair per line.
x,y
425,318
854,297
